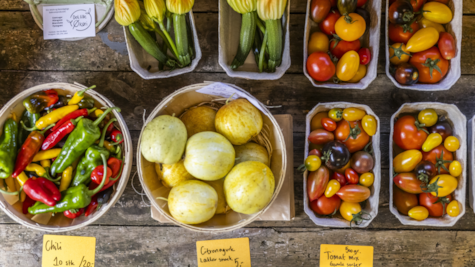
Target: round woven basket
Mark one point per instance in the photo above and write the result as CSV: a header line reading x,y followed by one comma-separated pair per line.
x,y
59,223
177,103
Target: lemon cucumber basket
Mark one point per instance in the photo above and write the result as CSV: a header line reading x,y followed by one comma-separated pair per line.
x,y
212,168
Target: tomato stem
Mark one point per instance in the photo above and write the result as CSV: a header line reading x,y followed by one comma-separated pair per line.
x,y
432,64
433,187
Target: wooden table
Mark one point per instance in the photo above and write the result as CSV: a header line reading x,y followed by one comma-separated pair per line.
x,y
128,236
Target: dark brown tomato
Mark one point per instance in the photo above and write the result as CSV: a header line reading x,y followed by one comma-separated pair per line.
x,y
362,162
335,155
406,74
443,128
320,9
400,12
425,170
404,201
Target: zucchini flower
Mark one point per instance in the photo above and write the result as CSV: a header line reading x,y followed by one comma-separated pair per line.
x,y
243,6
271,9
126,11
180,6
155,9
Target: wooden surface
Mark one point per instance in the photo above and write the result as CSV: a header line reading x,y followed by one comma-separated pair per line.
x,y
127,236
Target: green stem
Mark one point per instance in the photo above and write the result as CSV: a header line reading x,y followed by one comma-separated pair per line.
x,y
103,115
168,38
263,51
260,24
81,93
104,131
95,191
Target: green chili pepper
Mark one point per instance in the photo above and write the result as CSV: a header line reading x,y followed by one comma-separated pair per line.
x,y
76,197
86,102
29,120
8,148
81,138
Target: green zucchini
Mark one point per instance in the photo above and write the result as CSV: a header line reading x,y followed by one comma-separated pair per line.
x,y
274,31
246,39
149,45
181,38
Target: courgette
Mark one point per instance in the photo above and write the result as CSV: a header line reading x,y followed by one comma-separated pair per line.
x,y
246,39
181,38
274,44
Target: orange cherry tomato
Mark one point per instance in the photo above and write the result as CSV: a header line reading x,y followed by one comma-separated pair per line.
x,y
357,139
431,65
328,124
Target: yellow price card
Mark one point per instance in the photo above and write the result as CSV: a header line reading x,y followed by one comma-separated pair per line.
x,y
61,250
233,252
346,256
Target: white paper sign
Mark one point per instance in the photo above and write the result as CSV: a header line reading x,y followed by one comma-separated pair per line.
x,y
224,90
69,21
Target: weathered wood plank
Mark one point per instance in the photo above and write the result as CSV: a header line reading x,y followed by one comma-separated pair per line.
x,y
172,246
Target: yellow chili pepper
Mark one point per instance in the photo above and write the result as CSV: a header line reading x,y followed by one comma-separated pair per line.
x,y
22,193
46,154
22,178
66,178
54,116
11,184
109,146
78,96
98,112
432,141
33,167
45,163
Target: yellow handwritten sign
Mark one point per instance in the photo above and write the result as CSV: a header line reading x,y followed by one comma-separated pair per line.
x,y
346,256
60,250
233,252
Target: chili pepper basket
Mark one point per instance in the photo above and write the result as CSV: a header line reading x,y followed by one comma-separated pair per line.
x,y
458,122
15,106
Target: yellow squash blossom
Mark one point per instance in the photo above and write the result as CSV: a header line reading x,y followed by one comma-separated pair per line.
x,y
180,6
126,11
271,9
243,6
155,9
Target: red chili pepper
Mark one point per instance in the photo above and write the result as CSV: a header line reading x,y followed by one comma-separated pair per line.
x,y
51,92
114,164
27,203
28,150
117,137
42,190
92,206
73,214
111,182
59,133
110,128
98,174
73,115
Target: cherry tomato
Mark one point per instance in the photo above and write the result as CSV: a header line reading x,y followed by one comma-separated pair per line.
x,y
317,182
339,47
353,114
398,53
362,162
417,4
349,210
316,122
325,206
400,12
435,205
443,128
365,55
352,135
422,40
350,27
407,134
351,176
320,136
312,163
453,209
425,170
452,143
343,169
428,117
327,26
435,156
340,178
407,160
401,33
361,3
346,6
318,43
432,141
455,168
404,201
442,185
332,187
425,23
367,179
406,74
329,124
347,66
369,124
431,65
335,155
335,114
319,10
320,66
408,182
315,152
437,12
418,213
354,193
360,74
446,45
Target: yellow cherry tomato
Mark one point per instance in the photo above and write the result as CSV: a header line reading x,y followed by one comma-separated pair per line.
x,y
350,27
335,114
312,163
432,141
398,53
419,213
353,114
348,210
453,208
367,179
452,143
442,185
407,161
332,187
316,122
428,117
437,12
318,43
422,40
425,23
455,168
359,74
347,66
369,124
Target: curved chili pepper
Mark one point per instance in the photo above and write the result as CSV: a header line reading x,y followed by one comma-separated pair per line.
x,y
98,174
74,213
54,116
38,101
112,181
117,137
60,133
73,115
114,164
92,206
42,190
79,95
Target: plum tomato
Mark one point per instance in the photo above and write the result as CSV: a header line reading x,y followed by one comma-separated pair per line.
x,y
329,124
418,213
408,182
320,136
446,45
407,160
354,193
340,178
327,26
320,66
317,183
325,205
319,10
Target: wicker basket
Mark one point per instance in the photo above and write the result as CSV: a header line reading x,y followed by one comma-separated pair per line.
x,y
176,103
59,223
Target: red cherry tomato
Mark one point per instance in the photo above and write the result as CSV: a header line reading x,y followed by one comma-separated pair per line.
x,y
365,55
328,124
429,62
435,206
325,205
340,178
320,66
319,10
446,45
327,26
402,33
361,3
315,152
417,4
342,47
351,176
406,135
